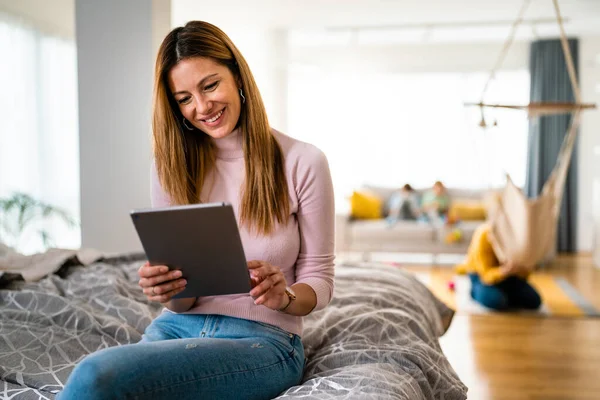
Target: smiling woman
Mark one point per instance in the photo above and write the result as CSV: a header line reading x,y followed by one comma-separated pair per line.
x,y
213,143
202,80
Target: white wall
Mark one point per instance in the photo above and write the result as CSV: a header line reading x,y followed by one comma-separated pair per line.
x,y
115,52
589,139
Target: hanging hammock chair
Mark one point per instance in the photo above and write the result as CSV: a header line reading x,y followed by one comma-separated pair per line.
x,y
523,230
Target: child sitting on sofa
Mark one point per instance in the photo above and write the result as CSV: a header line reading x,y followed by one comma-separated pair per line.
x,y
436,201
403,205
494,285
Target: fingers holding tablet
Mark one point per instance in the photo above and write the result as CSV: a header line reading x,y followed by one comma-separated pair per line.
x,y
159,284
270,284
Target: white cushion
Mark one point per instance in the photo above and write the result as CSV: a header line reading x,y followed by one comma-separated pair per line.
x,y
374,230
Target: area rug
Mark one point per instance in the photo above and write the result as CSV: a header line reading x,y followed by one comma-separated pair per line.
x,y
559,297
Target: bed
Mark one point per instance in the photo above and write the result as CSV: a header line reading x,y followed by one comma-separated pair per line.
x,y
378,339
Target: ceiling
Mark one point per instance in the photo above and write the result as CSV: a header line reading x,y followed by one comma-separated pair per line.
x,y
401,20
54,16
409,20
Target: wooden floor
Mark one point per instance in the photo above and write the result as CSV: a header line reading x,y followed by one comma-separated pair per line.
x,y
518,357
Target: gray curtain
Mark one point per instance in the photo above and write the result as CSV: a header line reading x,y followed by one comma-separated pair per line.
x,y
550,82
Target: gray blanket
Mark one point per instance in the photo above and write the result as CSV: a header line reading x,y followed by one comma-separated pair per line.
x,y
378,339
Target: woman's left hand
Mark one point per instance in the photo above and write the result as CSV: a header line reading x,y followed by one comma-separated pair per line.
x,y
268,284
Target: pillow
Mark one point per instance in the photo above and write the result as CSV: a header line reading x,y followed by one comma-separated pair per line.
x,y
467,210
365,206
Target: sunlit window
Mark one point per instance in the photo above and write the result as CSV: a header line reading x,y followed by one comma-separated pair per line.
x,y
389,129
39,147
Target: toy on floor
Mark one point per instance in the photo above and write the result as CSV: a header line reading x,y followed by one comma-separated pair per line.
x,y
451,286
393,263
454,236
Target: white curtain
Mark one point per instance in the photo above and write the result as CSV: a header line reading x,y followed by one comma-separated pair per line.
x,y
39,148
390,129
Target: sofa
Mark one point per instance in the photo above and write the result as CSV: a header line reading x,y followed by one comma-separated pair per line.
x,y
372,233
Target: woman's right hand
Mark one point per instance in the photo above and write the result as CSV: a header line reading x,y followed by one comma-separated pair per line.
x,y
159,284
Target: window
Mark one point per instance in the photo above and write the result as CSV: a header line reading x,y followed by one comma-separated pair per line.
x,y
389,129
39,148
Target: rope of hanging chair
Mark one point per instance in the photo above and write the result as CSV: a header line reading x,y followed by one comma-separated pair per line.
x,y
558,176
568,56
557,179
514,210
502,56
506,46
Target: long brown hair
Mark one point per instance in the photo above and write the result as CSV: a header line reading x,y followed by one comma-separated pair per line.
x,y
183,158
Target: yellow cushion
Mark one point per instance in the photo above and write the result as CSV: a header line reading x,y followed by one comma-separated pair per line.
x,y
467,210
365,206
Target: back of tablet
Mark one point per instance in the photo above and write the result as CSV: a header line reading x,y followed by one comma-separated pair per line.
x,y
202,240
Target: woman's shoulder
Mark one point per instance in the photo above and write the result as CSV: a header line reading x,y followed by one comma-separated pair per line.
x,y
299,152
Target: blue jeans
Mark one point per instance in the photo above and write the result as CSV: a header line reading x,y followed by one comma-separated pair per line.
x,y
511,293
190,356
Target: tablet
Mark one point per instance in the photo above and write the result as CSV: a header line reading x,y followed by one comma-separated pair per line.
x,y
201,240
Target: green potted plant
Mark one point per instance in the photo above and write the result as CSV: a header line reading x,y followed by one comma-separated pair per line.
x,y
22,216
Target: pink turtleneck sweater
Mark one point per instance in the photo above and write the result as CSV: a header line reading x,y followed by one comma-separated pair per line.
x,y
303,248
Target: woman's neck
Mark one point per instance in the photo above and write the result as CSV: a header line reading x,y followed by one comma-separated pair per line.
x,y
230,146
